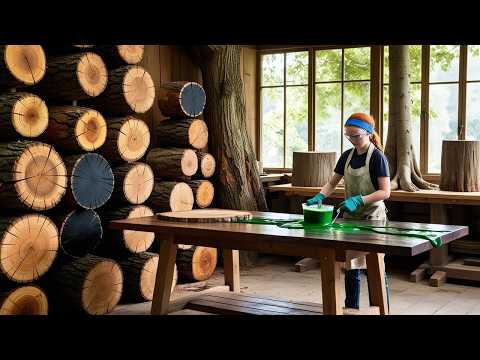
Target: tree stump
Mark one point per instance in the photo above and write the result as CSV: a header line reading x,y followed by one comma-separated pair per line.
x,y
203,191
117,243
22,114
139,275
91,285
128,139
171,196
172,163
120,55
75,129
197,263
28,247
206,165
181,99
130,90
74,77
21,65
133,183
312,169
80,232
182,133
24,300
32,176
91,180
460,166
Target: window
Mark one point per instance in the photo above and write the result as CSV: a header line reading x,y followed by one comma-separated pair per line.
x,y
284,107
473,94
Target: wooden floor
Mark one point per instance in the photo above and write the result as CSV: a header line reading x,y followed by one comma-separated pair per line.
x,y
275,277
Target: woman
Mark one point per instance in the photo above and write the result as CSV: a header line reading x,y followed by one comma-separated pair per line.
x,y
367,185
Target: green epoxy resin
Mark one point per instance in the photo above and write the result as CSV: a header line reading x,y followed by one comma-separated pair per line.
x,y
317,215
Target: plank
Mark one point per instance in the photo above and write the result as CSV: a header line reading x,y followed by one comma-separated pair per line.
x,y
471,261
307,264
204,215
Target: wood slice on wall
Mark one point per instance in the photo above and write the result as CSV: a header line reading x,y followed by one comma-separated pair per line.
x,y
24,300
139,275
460,166
182,133
172,163
205,215
22,114
130,90
171,196
120,242
203,192
120,55
74,77
312,168
197,263
91,285
75,128
28,247
21,65
133,183
80,232
32,176
91,180
181,99
128,139
206,165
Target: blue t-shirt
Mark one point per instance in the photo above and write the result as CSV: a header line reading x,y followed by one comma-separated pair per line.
x,y
378,164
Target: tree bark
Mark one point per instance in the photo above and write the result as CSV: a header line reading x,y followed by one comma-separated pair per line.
x,y
404,170
182,133
172,163
238,184
460,165
312,168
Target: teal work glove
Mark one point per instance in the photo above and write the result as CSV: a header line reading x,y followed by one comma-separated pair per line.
x,y
317,199
352,204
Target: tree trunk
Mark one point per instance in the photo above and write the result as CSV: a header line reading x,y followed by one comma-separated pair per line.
x,y
28,247
203,191
74,77
238,184
91,285
118,243
22,114
171,196
133,183
24,300
404,171
120,55
139,275
460,165
206,165
130,89
128,139
21,65
32,176
197,263
182,133
75,129
312,168
91,180
172,163
181,99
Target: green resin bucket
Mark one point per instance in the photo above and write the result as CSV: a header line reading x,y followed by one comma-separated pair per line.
x,y
318,215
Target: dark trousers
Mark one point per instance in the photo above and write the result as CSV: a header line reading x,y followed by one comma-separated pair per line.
x,y
352,289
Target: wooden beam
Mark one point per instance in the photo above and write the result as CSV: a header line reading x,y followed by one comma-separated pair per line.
x,y
231,269
376,281
438,278
163,282
331,288
307,264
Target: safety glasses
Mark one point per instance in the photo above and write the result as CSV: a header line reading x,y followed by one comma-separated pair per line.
x,y
355,136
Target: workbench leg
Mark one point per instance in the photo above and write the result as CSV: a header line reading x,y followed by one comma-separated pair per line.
x,y
331,287
164,278
438,256
376,281
231,269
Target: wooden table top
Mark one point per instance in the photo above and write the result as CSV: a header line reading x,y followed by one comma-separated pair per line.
x,y
259,237
422,196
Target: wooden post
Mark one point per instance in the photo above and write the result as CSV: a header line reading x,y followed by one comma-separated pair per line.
x,y
231,269
331,289
165,270
376,281
438,215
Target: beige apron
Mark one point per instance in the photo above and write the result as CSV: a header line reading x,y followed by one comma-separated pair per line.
x,y
358,182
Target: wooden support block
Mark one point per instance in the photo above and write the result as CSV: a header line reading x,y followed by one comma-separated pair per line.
x,y
418,275
471,261
307,264
438,278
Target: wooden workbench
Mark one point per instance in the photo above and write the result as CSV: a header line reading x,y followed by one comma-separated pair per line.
x,y
438,200
327,246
